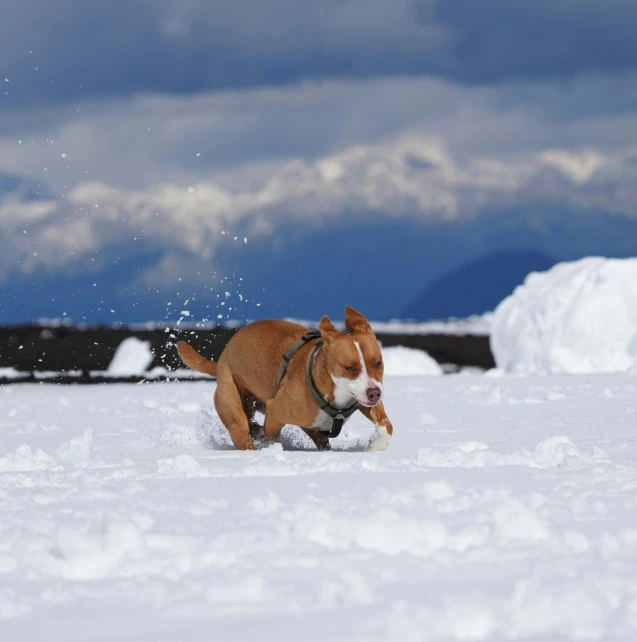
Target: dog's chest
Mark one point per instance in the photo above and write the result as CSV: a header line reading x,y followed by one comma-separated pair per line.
x,y
323,421
342,399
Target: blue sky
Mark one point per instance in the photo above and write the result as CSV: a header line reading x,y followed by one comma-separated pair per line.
x,y
361,148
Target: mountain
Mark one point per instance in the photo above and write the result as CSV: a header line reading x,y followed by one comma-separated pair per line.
x,y
477,286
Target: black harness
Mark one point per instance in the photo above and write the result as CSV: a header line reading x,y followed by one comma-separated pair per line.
x,y
338,415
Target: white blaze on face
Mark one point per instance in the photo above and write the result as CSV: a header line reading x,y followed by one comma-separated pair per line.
x,y
348,388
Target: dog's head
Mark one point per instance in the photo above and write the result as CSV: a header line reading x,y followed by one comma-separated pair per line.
x,y
354,360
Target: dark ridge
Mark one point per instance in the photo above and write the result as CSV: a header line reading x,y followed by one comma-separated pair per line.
x,y
67,350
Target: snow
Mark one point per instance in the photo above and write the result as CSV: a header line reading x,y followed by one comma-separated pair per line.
x,y
132,357
9,373
578,317
478,324
505,508
400,361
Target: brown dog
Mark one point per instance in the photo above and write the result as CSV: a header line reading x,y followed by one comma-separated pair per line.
x,y
345,371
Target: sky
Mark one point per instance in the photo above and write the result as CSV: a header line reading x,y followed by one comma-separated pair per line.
x,y
276,158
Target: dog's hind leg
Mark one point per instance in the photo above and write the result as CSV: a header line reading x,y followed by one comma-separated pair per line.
x,y
229,406
273,424
252,405
320,440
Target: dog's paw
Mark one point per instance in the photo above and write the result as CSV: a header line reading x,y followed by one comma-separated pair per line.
x,y
378,442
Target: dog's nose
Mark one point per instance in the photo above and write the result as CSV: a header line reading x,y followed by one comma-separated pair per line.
x,y
373,394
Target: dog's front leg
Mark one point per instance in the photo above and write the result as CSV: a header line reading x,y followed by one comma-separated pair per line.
x,y
380,438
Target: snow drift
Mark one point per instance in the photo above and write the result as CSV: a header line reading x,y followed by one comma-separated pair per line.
x,y
132,357
403,362
578,317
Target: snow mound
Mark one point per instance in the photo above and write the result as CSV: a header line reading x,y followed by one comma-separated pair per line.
x,y
26,460
9,373
402,362
549,453
578,317
132,357
79,450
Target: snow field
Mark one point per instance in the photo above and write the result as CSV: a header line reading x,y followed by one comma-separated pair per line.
x,y
505,508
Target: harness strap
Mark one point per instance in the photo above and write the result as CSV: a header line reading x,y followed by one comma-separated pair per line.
x,y
338,415
291,351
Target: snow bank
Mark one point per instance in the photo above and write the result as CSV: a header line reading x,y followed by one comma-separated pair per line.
x,y
24,459
578,317
478,324
549,453
402,362
9,373
132,357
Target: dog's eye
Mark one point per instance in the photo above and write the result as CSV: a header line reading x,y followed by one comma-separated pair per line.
x,y
377,364
350,368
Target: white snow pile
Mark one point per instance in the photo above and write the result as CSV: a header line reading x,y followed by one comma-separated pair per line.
x,y
549,453
9,373
578,317
132,357
24,459
476,324
405,362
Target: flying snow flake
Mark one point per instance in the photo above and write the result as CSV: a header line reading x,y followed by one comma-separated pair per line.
x,y
63,155
185,313
245,240
191,190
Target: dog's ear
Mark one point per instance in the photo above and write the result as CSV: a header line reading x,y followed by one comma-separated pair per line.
x,y
328,331
355,321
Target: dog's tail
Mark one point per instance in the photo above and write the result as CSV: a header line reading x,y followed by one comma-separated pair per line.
x,y
195,361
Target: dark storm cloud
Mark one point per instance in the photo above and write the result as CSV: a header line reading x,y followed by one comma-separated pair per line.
x,y
502,39
88,48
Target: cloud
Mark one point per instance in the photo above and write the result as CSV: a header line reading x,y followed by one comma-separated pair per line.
x,y
98,49
97,181
240,138
410,177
